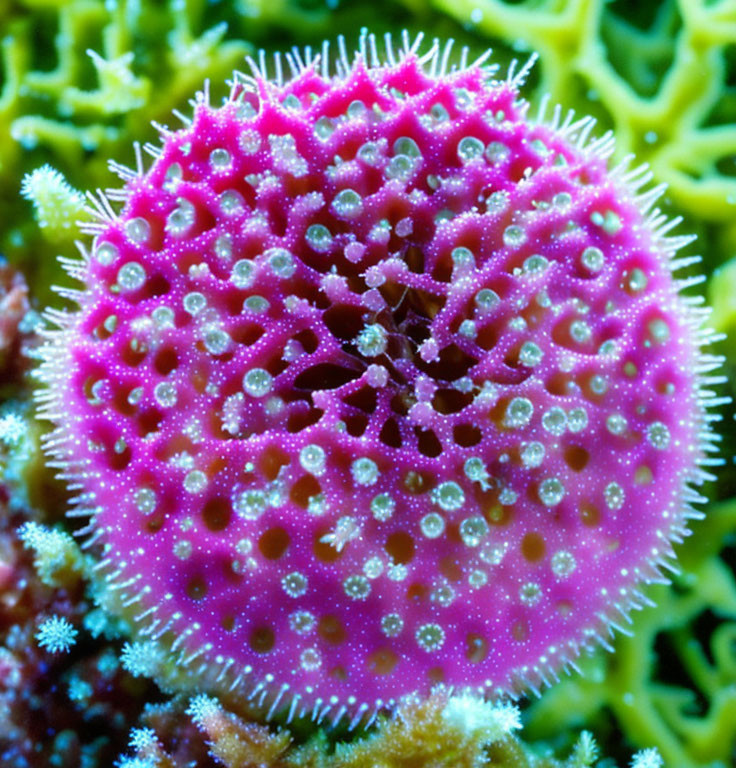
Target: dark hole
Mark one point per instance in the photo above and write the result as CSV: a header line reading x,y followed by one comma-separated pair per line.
x,y
436,675
400,404
400,546
120,460
364,398
383,661
302,419
414,258
157,285
132,357
273,543
303,488
324,376
356,424
323,550
427,442
476,649
271,460
178,443
228,623
343,321
533,547
590,515
487,337
417,593
418,482
442,271
339,673
247,334
216,465
450,568
153,524
331,630
196,588
149,421
450,400
277,365
466,435
261,639
121,402
417,333
576,457
390,434
558,384
424,304
308,339
165,361
216,514
453,364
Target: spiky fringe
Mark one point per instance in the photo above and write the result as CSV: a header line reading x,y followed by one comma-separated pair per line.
x,y
264,693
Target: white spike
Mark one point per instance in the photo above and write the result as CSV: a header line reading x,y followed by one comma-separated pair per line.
x,y
520,78
389,46
446,51
278,69
325,60
343,53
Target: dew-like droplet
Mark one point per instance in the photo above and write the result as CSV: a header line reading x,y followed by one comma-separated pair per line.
x,y
432,525
658,435
131,276
592,259
449,496
469,148
519,413
220,159
348,204
281,262
313,459
165,394
243,274
258,382
194,302
138,230
319,238
382,507
106,253
551,491
486,299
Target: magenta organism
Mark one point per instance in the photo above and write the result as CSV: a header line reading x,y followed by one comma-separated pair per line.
x,y
377,383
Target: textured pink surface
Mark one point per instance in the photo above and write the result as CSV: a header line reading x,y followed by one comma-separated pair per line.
x,y
229,501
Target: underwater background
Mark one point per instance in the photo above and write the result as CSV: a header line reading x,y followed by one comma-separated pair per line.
x,y
79,82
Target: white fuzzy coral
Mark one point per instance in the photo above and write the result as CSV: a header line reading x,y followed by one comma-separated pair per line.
x,y
12,428
647,758
56,634
57,205
203,708
55,550
482,719
141,659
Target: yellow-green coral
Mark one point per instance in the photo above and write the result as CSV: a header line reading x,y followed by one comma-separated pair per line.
x,y
588,49
58,207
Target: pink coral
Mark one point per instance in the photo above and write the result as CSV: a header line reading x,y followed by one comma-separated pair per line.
x,y
376,384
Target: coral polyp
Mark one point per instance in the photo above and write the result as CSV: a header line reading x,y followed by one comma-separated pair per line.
x,y
377,383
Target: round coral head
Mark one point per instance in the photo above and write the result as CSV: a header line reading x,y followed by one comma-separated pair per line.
x,y
378,384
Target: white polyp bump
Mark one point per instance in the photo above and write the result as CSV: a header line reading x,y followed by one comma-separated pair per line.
x,y
131,276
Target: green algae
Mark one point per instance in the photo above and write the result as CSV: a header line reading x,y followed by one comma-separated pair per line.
x,y
79,81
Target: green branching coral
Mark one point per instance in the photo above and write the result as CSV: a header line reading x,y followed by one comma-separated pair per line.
x,y
661,88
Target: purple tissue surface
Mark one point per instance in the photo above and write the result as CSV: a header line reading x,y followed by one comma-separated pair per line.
x,y
376,384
